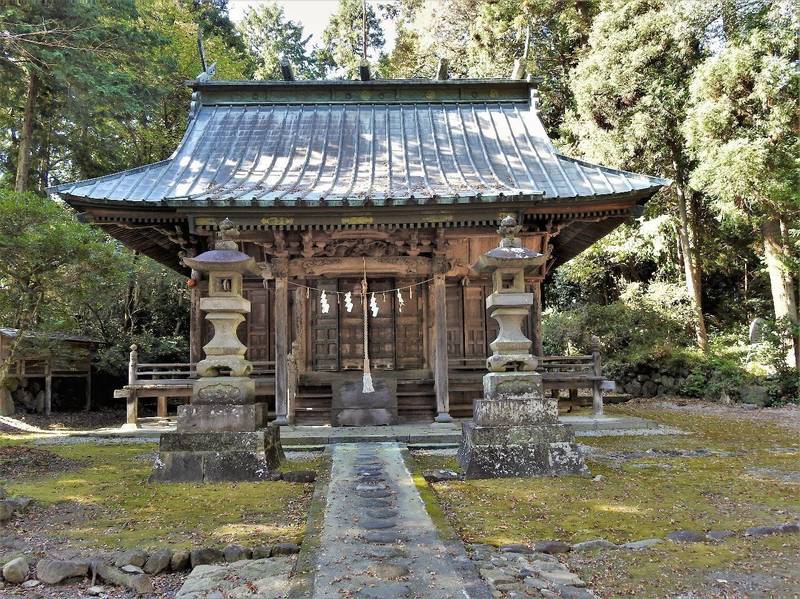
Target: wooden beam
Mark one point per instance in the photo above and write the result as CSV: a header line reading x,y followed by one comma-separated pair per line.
x,y
280,270
335,267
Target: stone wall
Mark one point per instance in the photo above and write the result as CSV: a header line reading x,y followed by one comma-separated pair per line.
x,y
650,380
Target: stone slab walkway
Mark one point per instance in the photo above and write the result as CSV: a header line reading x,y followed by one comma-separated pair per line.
x,y
377,539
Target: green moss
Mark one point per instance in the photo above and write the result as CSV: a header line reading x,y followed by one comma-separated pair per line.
x,y
126,511
315,463
643,498
668,569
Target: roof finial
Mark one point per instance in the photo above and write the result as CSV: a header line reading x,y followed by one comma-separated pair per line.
x,y
518,72
200,49
208,70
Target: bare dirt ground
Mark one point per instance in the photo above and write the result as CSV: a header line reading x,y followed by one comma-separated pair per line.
x,y
67,421
787,416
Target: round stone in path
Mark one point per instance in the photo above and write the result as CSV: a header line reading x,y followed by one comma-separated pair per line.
x,y
373,524
371,486
383,536
374,493
374,503
381,513
375,481
384,552
386,571
385,591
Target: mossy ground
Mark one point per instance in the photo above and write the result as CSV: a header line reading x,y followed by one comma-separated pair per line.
x,y
646,497
120,509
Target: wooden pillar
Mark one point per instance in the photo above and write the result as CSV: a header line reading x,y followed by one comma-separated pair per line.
x,y
597,391
195,321
161,406
440,366
88,404
132,400
301,330
48,389
536,317
280,270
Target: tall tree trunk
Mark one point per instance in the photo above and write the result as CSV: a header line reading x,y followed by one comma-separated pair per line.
x,y
784,295
26,139
691,269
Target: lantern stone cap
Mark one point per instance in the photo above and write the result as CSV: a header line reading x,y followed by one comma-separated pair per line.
x,y
510,253
225,256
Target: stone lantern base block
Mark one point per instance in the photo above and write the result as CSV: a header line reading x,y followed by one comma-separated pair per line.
x,y
515,432
221,390
519,451
218,456
222,418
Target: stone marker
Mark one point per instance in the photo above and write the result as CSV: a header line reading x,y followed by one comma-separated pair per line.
x,y
515,429
222,435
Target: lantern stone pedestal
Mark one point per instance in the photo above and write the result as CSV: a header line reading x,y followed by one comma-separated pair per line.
x,y
515,429
223,434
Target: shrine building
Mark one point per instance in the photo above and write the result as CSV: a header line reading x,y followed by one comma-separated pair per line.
x,y
404,180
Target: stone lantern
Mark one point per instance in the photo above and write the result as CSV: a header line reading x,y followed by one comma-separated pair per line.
x,y
223,433
515,429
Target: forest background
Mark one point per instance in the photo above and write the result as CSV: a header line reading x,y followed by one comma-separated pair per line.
x,y
703,92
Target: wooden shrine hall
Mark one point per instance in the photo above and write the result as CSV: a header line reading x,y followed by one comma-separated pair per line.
x,y
405,180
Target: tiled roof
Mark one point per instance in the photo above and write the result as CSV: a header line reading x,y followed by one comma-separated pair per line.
x,y
339,153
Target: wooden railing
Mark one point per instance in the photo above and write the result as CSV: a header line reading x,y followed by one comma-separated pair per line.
x,y
558,372
165,380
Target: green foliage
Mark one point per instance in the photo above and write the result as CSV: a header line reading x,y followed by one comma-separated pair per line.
x,y
644,324
58,275
270,37
343,38
742,122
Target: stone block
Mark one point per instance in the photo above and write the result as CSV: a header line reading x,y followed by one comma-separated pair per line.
x,y
224,390
217,441
220,418
218,457
350,406
522,435
232,466
512,385
492,455
515,412
178,467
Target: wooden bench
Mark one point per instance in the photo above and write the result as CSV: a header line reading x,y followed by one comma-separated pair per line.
x,y
558,372
163,381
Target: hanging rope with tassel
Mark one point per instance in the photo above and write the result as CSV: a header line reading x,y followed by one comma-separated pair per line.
x,y
367,377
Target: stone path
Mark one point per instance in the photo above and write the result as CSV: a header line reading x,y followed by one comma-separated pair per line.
x,y
377,539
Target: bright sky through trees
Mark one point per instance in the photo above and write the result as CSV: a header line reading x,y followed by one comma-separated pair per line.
x,y
313,15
